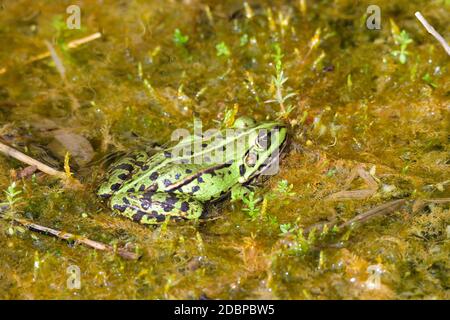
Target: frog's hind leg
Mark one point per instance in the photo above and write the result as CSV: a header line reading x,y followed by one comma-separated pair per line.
x,y
120,172
153,208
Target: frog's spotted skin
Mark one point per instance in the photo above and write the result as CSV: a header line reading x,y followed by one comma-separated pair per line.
x,y
138,206
122,171
177,185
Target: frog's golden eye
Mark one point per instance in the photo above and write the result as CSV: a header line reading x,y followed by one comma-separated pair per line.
x,y
250,159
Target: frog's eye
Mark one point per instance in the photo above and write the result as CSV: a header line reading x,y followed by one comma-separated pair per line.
x,y
250,159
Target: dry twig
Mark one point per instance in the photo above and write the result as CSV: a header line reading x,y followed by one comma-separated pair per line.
x,y
26,172
78,239
383,209
356,194
433,32
59,234
30,161
71,45
380,210
62,72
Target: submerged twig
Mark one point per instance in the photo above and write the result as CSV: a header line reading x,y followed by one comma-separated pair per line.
x,y
383,209
420,204
78,239
59,234
433,32
356,194
78,42
441,200
32,162
58,62
71,45
62,72
68,179
26,172
351,194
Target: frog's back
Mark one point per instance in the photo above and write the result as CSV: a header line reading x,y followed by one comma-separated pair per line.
x,y
203,182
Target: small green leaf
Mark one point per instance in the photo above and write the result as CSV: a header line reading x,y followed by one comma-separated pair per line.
x,y
222,50
243,40
285,188
180,39
285,228
428,80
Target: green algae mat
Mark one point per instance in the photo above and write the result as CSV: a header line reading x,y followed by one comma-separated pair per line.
x,y
359,208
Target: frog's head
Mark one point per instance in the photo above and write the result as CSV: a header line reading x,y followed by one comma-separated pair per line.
x,y
264,143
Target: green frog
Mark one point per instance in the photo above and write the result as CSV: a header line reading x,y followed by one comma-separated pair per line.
x,y
178,182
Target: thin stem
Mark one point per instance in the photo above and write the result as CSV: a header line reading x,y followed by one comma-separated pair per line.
x,y
380,210
32,162
79,239
62,72
377,211
433,32
71,45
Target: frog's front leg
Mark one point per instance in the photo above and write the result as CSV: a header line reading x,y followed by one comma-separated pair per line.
x,y
153,208
238,192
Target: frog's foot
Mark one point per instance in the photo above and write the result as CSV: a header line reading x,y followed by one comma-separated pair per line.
x,y
238,192
153,208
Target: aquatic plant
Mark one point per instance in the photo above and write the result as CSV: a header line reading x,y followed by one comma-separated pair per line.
x,y
12,196
403,40
281,95
179,38
250,201
222,49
